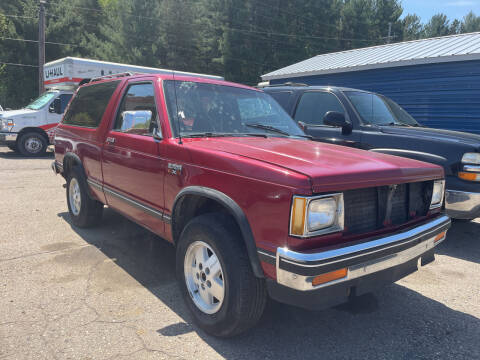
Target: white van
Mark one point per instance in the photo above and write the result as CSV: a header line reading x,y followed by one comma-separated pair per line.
x,y
30,130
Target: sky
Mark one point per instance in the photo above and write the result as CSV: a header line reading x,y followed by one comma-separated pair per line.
x,y
452,8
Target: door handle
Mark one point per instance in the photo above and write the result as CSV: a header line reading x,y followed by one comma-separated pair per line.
x,y
110,140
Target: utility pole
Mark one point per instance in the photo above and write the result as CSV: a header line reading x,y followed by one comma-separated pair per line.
x,y
41,44
389,37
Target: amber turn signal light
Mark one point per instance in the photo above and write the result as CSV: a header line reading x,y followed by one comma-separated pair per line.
x,y
330,276
440,236
470,176
298,216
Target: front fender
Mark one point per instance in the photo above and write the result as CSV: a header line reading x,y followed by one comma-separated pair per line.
x,y
236,211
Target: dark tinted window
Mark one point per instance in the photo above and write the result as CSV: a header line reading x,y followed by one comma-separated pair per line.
x,y
282,97
313,106
89,104
133,116
64,99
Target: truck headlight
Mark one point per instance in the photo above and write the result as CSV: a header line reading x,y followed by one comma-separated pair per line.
x,y
317,215
7,124
471,158
437,194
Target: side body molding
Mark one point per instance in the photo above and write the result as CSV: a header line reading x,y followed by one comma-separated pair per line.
x,y
235,211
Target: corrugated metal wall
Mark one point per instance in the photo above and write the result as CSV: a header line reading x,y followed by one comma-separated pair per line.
x,y
445,95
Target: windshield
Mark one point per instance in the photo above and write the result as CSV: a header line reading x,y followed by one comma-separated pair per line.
x,y
216,110
379,110
41,101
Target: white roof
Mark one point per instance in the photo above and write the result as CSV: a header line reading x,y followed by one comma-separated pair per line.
x,y
426,51
125,67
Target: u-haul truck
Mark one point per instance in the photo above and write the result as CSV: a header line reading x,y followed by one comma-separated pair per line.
x,y
30,130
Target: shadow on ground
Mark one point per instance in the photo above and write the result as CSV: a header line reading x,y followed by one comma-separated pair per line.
x,y
463,241
395,323
6,153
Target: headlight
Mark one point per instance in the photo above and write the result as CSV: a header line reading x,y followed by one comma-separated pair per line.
x,y
313,216
437,194
7,124
471,158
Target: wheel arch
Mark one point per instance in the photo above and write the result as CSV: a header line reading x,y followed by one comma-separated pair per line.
x,y
34,129
232,208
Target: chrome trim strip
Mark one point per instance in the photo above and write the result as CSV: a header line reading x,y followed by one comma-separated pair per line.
x,y
153,212
422,230
472,168
95,184
266,254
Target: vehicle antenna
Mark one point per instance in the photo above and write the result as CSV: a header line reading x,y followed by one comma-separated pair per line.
x,y
176,106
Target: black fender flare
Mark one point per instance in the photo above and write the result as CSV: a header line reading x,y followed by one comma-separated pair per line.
x,y
69,160
237,213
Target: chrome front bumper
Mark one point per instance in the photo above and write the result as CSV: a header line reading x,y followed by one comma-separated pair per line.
x,y
297,270
8,137
462,204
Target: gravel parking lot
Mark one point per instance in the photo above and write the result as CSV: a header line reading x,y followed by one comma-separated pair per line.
x,y
110,292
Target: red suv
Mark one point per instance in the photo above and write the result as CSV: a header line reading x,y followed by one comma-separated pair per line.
x,y
253,206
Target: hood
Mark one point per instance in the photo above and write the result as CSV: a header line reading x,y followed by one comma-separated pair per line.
x,y
9,114
436,134
329,167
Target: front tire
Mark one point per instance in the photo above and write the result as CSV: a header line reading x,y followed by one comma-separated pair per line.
x,y
216,278
32,144
84,211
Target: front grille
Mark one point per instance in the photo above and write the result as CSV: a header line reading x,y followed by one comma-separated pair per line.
x,y
367,209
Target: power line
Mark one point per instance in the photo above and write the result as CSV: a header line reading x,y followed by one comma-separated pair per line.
x,y
15,64
18,16
36,41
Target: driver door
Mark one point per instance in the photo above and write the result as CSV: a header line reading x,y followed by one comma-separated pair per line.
x,y
310,111
53,116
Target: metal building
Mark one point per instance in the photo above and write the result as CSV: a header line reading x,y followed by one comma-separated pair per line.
x,y
436,80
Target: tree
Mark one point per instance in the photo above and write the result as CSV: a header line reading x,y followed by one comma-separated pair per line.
x,y
412,27
470,23
437,26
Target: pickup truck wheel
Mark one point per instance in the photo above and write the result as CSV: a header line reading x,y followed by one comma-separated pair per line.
x,y
216,277
84,211
32,144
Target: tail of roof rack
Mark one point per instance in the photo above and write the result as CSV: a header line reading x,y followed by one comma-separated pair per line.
x,y
112,76
289,83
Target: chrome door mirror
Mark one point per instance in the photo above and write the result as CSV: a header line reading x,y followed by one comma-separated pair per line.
x,y
137,122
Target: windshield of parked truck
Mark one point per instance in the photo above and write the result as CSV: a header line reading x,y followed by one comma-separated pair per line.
x,y
379,110
41,101
201,109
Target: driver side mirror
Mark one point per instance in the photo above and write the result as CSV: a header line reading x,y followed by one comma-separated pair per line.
x,y
55,107
336,119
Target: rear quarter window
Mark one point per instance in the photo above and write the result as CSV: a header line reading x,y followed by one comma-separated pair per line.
x,y
89,104
282,97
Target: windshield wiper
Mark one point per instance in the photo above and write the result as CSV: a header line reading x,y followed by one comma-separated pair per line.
x,y
205,134
394,124
268,128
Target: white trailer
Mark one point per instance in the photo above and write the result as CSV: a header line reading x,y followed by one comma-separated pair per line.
x,y
30,130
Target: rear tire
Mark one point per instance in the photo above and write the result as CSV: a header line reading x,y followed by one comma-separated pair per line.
x,y
32,144
84,211
244,295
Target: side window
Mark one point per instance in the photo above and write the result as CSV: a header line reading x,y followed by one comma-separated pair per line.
x,y
89,104
64,99
137,113
282,97
313,106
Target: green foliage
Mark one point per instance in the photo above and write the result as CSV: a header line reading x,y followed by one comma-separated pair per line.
x,y
238,39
